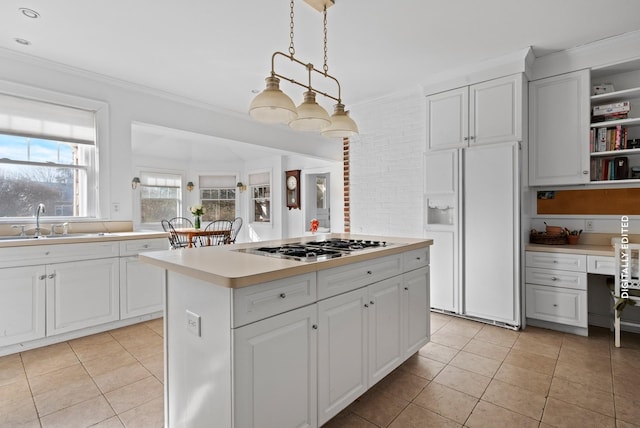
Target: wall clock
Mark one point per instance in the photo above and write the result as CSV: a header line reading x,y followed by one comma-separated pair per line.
x,y
292,181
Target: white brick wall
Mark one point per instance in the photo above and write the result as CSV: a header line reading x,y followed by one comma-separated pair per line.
x,y
386,166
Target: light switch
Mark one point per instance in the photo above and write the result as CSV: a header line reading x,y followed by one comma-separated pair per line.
x,y
193,323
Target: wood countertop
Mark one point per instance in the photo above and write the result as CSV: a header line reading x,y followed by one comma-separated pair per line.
x,y
226,267
588,249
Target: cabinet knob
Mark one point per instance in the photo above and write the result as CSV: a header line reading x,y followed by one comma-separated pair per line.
x,y
371,302
466,138
282,295
51,275
553,278
42,276
145,246
555,305
417,258
366,306
406,288
472,137
46,253
315,326
585,172
369,272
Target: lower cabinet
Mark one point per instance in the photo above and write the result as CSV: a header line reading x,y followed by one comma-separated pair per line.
x,y
275,371
416,327
81,294
22,316
560,305
141,288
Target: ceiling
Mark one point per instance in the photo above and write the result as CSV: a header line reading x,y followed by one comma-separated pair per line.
x,y
217,52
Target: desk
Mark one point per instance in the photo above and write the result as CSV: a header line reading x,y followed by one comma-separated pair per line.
x,y
191,233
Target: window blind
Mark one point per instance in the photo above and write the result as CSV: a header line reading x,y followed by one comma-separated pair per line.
x,y
38,119
217,181
160,180
259,179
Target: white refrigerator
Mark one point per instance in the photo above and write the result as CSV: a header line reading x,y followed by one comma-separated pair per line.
x,y
472,206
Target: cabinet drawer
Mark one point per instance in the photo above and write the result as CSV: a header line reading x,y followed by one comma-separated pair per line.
x,y
601,264
341,279
270,298
415,259
42,254
561,305
572,262
137,246
557,278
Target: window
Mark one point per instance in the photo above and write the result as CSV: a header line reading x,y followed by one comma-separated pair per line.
x,y
160,196
218,196
260,187
47,155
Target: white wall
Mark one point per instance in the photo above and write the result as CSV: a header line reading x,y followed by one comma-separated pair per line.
x,y
129,104
386,178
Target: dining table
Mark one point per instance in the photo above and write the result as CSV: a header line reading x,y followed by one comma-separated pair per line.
x,y
191,233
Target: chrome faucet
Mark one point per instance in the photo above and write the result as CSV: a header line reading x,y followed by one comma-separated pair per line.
x,y
39,210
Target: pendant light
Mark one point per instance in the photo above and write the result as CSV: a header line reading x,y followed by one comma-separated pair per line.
x,y
275,107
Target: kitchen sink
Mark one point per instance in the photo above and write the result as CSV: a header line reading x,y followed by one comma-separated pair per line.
x,y
47,237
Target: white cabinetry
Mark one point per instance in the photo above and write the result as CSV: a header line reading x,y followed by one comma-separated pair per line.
x,y
556,291
559,129
275,371
81,294
141,284
22,309
486,112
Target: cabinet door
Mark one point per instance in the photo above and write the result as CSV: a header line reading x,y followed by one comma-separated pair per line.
x,y
495,111
491,232
559,129
561,305
22,300
275,371
447,119
444,270
141,288
82,294
342,352
385,328
415,308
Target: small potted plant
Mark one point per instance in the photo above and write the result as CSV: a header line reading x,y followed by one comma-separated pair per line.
x,y
574,236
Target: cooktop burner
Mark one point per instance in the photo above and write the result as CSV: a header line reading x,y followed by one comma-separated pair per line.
x,y
315,250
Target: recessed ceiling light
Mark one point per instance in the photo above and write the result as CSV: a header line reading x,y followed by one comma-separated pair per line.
x,y
22,41
29,13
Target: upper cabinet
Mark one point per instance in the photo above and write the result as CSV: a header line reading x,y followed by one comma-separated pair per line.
x,y
488,112
559,129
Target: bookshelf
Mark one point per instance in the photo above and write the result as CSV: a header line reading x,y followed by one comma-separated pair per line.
x,y
614,145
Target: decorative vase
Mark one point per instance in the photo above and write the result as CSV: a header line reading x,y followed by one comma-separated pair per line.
x,y
197,222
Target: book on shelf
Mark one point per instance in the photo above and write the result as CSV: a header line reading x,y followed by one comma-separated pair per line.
x,y
605,169
609,139
608,117
620,107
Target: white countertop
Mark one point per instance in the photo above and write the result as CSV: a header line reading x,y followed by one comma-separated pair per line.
x,y
80,238
223,266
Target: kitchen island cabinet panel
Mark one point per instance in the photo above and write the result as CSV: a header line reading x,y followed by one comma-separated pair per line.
x,y
416,318
82,294
275,371
22,310
342,351
385,328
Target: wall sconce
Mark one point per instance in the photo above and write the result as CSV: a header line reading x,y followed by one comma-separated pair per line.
x,y
135,182
241,187
190,186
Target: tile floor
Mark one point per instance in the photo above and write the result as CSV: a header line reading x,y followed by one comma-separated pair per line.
x,y
471,375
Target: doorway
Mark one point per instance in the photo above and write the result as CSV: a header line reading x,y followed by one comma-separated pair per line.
x,y
318,202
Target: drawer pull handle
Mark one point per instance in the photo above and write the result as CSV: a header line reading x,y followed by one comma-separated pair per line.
x,y
282,295
369,272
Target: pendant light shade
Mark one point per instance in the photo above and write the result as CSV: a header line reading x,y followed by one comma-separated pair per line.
x,y
272,105
311,116
342,126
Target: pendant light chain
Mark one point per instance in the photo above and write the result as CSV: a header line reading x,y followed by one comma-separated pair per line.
x,y
325,67
292,49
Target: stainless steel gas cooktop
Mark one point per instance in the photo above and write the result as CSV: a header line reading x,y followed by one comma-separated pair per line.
x,y
315,250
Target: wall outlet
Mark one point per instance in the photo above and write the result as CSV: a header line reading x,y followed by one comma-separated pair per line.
x,y
193,323
588,225
116,207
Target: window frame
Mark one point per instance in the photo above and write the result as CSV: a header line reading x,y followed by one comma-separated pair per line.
x,y
98,176
251,187
213,177
137,208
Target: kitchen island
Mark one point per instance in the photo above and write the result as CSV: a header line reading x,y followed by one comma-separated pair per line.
x,y
256,341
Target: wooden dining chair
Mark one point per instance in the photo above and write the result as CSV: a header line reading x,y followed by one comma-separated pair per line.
x,y
183,222
222,225
236,225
